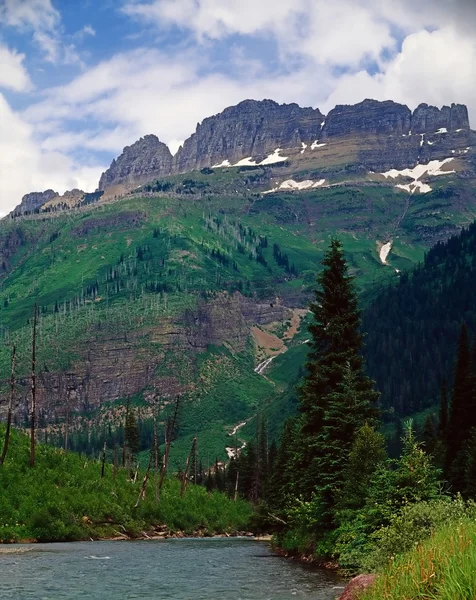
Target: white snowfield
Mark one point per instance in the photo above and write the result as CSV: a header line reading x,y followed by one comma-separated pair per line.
x,y
433,168
442,130
384,252
315,144
272,158
290,184
304,146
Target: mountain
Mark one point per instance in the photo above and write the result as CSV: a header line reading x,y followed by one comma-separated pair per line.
x,y
368,138
197,283
140,162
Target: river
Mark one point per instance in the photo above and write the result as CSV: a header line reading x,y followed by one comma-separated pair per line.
x,y
182,569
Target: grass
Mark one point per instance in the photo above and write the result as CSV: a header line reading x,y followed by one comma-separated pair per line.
x,y
441,568
64,498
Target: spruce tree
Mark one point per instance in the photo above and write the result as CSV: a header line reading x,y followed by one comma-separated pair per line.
x,y
336,398
132,437
443,417
463,413
366,454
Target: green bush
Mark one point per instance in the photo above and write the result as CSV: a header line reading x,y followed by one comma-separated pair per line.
x,y
64,498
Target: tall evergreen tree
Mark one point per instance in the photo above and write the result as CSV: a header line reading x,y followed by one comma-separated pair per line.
x,y
443,417
463,413
336,398
132,432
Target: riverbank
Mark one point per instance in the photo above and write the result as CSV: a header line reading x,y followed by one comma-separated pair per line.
x,y
67,498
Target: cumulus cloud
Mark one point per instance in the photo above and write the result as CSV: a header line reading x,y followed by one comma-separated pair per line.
x,y
145,91
13,74
24,167
41,19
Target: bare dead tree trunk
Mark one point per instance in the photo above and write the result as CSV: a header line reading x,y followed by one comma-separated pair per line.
x,y
165,460
156,455
195,465
144,483
10,407
169,431
136,473
124,443
236,485
33,390
103,460
187,466
66,425
114,469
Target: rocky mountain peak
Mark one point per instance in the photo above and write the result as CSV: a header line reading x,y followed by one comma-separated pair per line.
x,y
251,128
428,119
145,159
30,202
367,117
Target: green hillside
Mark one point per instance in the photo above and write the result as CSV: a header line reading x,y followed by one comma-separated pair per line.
x,y
184,287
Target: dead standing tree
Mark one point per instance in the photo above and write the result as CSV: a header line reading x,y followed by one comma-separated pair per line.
x,y
170,427
183,487
10,408
33,390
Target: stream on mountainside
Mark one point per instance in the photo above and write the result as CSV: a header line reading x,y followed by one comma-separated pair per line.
x,y
182,569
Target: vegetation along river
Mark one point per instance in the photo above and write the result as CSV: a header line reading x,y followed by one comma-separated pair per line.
x,y
181,569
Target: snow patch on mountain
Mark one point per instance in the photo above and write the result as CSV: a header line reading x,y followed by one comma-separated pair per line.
x,y
290,184
384,252
433,168
316,144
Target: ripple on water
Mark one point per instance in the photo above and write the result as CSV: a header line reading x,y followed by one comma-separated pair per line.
x,y
172,569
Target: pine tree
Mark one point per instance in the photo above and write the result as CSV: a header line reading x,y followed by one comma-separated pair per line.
x,y
463,413
366,454
132,437
336,398
430,436
443,417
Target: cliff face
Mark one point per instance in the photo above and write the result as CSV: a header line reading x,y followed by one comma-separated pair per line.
x,y
250,128
429,119
144,160
368,117
30,202
114,365
373,135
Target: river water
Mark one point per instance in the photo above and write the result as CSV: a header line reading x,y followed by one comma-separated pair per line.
x,y
202,569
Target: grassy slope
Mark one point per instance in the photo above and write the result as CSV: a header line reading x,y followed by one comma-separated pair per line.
x,y
441,568
64,498
64,255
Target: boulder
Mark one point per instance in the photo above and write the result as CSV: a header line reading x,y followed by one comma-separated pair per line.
x,y
356,586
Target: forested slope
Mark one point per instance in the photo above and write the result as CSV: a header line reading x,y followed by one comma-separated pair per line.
x,y
412,327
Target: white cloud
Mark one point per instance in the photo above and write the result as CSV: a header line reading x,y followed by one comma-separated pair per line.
x,y
13,74
437,67
40,18
86,31
24,167
29,14
144,91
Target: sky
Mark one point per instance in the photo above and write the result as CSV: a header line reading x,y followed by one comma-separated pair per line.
x,y
81,79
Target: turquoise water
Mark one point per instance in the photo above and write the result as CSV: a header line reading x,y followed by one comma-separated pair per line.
x,y
205,569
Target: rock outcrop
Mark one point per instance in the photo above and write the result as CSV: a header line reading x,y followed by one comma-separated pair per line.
x,y
429,119
367,117
30,202
251,128
144,160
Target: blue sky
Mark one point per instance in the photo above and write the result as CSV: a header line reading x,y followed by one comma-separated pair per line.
x,y
80,79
